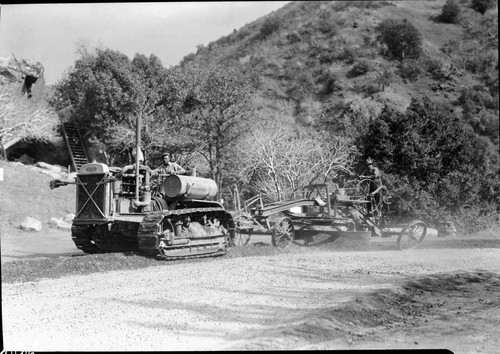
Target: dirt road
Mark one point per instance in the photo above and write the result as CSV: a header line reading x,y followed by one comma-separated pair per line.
x,y
428,297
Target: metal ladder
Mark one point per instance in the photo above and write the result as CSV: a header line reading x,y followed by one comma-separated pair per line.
x,y
75,145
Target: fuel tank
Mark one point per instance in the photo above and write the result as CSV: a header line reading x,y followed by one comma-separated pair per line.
x,y
189,187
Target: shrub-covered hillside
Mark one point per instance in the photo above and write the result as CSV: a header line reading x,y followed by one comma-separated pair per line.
x,y
315,60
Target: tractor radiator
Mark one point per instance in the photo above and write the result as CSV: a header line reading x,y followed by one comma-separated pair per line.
x,y
93,194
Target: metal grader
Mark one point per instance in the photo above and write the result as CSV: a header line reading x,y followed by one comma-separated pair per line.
x,y
120,210
354,213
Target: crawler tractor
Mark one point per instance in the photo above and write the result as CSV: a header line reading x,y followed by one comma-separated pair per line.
x,y
174,216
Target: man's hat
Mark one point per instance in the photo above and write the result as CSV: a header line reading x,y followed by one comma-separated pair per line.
x,y
369,161
165,154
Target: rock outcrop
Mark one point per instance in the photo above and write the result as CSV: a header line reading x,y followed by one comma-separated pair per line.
x,y
25,72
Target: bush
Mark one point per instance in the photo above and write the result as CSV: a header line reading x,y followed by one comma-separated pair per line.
x,y
410,69
482,6
477,218
269,26
478,63
326,23
360,68
451,47
331,83
348,54
293,37
402,39
433,67
450,12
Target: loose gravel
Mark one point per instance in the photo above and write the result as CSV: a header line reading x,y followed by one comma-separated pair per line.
x,y
255,297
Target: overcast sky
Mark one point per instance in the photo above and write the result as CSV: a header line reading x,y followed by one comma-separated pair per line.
x,y
49,32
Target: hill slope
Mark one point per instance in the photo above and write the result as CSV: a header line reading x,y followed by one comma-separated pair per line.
x,y
302,57
25,192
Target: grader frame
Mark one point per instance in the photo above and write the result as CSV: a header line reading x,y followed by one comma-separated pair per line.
x,y
353,213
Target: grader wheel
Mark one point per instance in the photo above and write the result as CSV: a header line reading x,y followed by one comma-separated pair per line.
x,y
283,232
413,234
244,230
364,186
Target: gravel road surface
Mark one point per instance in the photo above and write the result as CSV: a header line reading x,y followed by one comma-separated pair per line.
x,y
314,298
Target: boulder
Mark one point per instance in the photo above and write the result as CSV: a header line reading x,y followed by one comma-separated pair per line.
x,y
30,224
52,174
25,159
63,223
69,217
53,222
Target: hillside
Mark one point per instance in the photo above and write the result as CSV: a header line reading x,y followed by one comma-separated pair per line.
x,y
304,58
25,192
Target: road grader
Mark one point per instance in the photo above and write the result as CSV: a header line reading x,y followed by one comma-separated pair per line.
x,y
357,212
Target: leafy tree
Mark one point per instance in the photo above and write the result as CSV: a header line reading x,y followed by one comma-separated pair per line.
x,y
431,150
482,6
109,93
216,106
450,12
402,39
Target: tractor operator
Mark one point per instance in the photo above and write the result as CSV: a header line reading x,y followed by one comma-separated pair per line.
x,y
168,167
375,177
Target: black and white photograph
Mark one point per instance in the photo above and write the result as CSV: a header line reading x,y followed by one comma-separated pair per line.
x,y
250,176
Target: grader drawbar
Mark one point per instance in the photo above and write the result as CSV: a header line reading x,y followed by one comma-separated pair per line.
x,y
349,212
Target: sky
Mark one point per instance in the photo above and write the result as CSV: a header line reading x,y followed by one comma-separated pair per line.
x,y
50,33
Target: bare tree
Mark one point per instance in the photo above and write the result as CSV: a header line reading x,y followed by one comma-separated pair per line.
x,y
22,118
283,158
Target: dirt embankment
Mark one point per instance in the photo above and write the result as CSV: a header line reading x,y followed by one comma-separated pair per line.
x,y
262,298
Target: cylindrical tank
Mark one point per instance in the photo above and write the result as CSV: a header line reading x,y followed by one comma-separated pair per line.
x,y
189,187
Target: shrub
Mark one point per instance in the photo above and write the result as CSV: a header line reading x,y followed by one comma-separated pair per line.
x,y
482,6
451,47
331,83
360,68
293,37
402,39
477,218
450,12
348,54
410,69
326,23
269,26
478,63
433,67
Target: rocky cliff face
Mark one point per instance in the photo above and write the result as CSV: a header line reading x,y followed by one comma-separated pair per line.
x,y
24,72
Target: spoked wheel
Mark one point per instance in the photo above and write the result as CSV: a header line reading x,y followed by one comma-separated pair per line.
x,y
244,230
283,232
364,186
412,235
